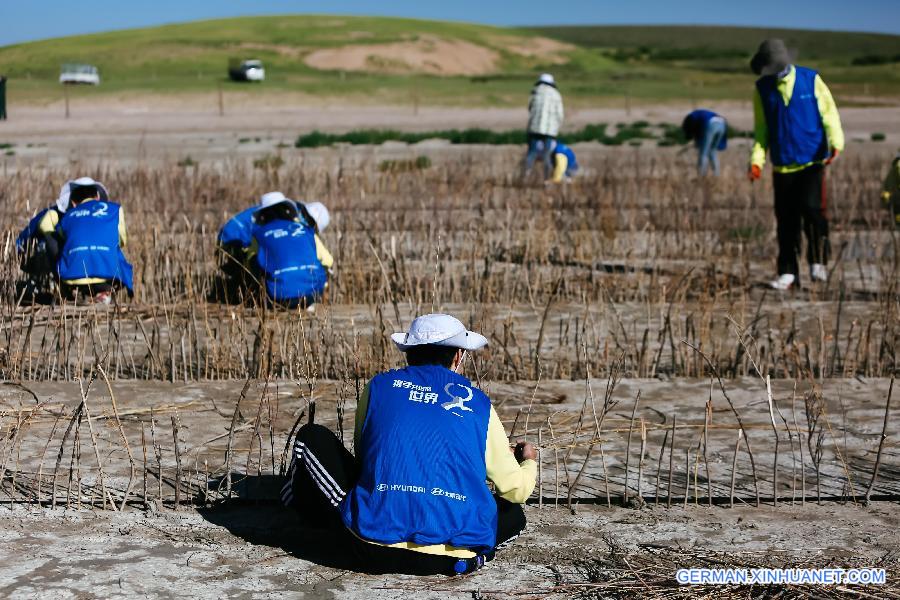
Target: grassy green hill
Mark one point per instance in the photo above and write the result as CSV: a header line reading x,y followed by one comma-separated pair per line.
x,y
493,66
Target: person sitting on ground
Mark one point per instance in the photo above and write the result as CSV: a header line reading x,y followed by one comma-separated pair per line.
x,y
709,131
545,117
235,239
415,497
890,190
565,164
287,253
91,233
37,245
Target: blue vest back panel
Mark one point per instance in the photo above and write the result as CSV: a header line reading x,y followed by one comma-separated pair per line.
x,y
91,244
796,134
422,462
287,257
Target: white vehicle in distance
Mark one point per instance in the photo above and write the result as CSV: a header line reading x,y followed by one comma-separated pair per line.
x,y
246,70
76,73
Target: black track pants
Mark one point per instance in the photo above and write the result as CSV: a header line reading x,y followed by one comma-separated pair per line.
x,y
800,206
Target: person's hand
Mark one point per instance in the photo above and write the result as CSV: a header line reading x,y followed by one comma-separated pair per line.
x,y
525,451
754,173
832,156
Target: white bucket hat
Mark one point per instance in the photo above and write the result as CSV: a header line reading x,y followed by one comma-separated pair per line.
x,y
547,78
319,214
271,199
438,330
62,203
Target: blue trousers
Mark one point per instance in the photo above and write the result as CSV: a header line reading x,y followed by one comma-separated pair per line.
x,y
540,145
708,144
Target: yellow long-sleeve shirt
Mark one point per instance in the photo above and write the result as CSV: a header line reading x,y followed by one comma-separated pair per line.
x,y
513,481
831,121
49,222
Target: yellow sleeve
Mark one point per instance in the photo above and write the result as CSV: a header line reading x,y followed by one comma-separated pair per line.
x,y
891,186
831,120
251,250
123,236
323,254
49,222
760,133
562,163
514,481
362,406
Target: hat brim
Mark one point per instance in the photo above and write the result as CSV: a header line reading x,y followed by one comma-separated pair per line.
x,y
466,340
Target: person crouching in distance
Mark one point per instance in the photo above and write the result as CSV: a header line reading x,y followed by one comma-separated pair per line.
x,y
414,499
235,239
287,254
565,165
37,247
91,234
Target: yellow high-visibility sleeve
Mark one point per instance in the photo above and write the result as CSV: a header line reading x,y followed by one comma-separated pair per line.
x,y
123,235
323,254
561,164
760,132
49,222
831,120
514,481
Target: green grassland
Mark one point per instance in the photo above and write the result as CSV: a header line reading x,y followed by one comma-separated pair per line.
x,y
600,66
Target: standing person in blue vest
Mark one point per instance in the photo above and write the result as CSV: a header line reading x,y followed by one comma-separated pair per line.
x,y
709,132
797,122
287,254
415,498
92,232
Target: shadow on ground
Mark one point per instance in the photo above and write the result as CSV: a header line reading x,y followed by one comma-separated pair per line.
x,y
257,516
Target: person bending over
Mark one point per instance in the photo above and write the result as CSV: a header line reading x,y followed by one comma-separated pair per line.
x,y
415,498
91,233
235,240
287,254
565,165
709,131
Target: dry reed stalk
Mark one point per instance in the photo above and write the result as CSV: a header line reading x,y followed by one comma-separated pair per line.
x,y
884,427
177,460
775,433
671,465
641,462
628,446
737,448
659,462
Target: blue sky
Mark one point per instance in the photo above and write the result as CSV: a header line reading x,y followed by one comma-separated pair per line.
x,y
23,20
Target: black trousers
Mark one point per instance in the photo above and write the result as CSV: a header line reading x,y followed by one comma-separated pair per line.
x,y
800,206
323,471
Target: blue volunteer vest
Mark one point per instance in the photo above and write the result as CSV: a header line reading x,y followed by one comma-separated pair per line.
x,y
796,134
422,463
572,164
91,247
31,230
238,229
287,257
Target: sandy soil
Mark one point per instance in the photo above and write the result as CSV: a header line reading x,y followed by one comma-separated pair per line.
x,y
261,551
429,54
169,128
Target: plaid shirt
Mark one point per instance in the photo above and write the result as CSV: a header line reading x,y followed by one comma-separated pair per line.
x,y
545,110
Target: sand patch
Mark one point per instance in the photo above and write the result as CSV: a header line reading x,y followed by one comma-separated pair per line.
x,y
543,49
428,54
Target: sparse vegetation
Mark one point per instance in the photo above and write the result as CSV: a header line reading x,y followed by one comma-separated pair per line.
x,y
878,137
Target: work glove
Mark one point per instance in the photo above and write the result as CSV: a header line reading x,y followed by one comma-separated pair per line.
x,y
754,173
834,155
